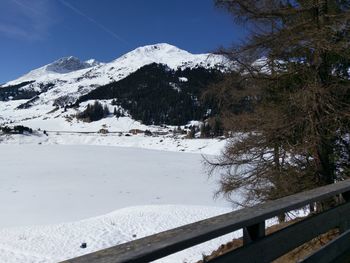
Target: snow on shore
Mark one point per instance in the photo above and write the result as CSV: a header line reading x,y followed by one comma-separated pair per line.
x,y
162,143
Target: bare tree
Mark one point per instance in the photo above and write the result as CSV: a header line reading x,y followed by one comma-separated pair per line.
x,y
292,75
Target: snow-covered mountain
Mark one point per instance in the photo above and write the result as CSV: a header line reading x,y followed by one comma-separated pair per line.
x,y
71,70
67,79
55,69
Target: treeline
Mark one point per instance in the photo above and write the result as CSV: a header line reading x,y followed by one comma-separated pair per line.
x,y
158,95
94,112
17,92
18,129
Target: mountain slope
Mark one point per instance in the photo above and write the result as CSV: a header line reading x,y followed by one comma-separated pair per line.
x,y
177,91
55,69
64,81
71,77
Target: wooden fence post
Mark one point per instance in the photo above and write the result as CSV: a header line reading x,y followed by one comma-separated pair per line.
x,y
346,196
346,224
253,232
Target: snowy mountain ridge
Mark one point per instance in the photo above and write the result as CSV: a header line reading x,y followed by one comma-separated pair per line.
x,y
38,93
61,66
71,67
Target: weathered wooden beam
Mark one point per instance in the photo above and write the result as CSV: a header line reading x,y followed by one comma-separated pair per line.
x,y
337,251
171,241
279,243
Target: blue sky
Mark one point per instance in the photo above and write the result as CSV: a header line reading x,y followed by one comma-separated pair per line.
x,y
36,32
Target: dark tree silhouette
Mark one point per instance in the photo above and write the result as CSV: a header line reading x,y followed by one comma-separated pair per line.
x,y
94,112
293,76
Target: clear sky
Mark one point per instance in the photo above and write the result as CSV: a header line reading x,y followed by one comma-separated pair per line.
x,y
36,32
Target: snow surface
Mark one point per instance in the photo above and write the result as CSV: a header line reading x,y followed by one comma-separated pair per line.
x,y
149,192
55,243
55,183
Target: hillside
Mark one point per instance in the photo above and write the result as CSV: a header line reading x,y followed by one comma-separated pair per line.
x,y
173,76
177,92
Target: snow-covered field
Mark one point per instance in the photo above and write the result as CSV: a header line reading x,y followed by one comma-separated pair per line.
x,y
54,183
54,197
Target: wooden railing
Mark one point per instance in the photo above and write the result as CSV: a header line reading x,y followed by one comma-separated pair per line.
x,y
257,247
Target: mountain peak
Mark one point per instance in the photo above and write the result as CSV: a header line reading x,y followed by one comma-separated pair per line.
x,y
67,64
172,56
158,48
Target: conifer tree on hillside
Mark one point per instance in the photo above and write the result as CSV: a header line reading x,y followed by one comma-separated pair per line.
x,y
106,111
94,112
293,73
